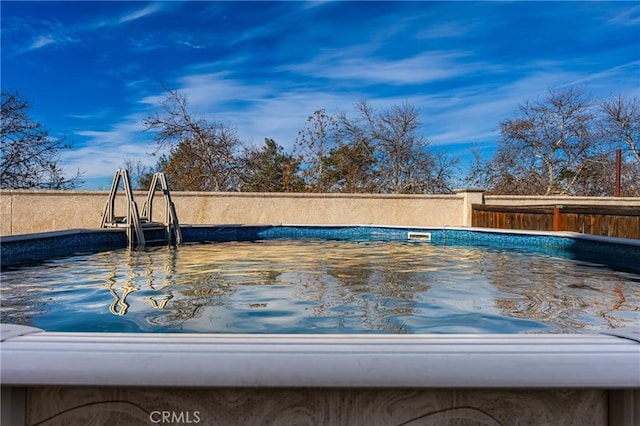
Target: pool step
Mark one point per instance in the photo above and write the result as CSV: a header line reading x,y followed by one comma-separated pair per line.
x,y
157,241
137,223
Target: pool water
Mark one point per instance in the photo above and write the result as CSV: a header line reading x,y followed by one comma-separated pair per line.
x,y
320,286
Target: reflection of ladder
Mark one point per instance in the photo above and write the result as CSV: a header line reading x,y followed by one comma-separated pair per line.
x,y
136,224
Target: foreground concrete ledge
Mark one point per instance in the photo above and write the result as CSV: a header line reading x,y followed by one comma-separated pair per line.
x,y
349,361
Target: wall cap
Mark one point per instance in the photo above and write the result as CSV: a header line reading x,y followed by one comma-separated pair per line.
x,y
460,190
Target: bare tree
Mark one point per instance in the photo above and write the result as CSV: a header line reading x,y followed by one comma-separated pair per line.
x,y
599,178
141,174
564,144
29,156
402,159
547,148
201,152
621,123
312,147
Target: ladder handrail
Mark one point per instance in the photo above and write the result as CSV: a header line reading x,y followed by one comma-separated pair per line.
x,y
171,217
147,207
133,224
175,224
133,218
107,214
135,221
171,223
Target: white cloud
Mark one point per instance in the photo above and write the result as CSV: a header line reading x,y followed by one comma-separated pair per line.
x,y
189,43
105,150
214,89
58,35
629,17
281,116
599,80
127,17
141,13
473,114
422,68
257,111
94,162
447,30
41,41
208,94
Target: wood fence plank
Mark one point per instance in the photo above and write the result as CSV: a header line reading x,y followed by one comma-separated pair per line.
x,y
612,221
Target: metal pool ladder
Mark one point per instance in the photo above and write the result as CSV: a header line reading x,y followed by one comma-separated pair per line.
x,y
135,223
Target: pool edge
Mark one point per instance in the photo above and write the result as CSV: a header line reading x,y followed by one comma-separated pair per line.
x,y
388,361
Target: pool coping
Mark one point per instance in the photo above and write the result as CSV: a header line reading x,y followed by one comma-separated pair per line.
x,y
32,357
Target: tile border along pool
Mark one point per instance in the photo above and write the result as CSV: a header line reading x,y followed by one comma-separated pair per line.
x,y
609,360
16,249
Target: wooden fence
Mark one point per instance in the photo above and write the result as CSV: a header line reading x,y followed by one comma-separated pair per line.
x,y
612,221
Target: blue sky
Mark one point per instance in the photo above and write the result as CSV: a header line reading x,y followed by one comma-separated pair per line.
x,y
94,70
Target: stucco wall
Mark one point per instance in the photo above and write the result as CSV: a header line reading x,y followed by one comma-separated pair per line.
x,y
24,212
330,209
38,211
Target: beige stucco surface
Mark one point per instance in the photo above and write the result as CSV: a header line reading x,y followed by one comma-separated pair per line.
x,y
329,209
39,211
23,212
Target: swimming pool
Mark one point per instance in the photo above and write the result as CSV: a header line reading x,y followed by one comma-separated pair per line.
x,y
330,280
494,352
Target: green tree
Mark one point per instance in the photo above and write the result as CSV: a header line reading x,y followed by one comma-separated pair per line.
x,y
269,169
29,156
350,168
187,171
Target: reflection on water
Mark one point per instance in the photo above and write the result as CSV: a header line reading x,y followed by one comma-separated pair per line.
x,y
310,286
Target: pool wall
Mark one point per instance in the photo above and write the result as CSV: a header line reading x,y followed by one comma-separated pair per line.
x,y
40,246
324,406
